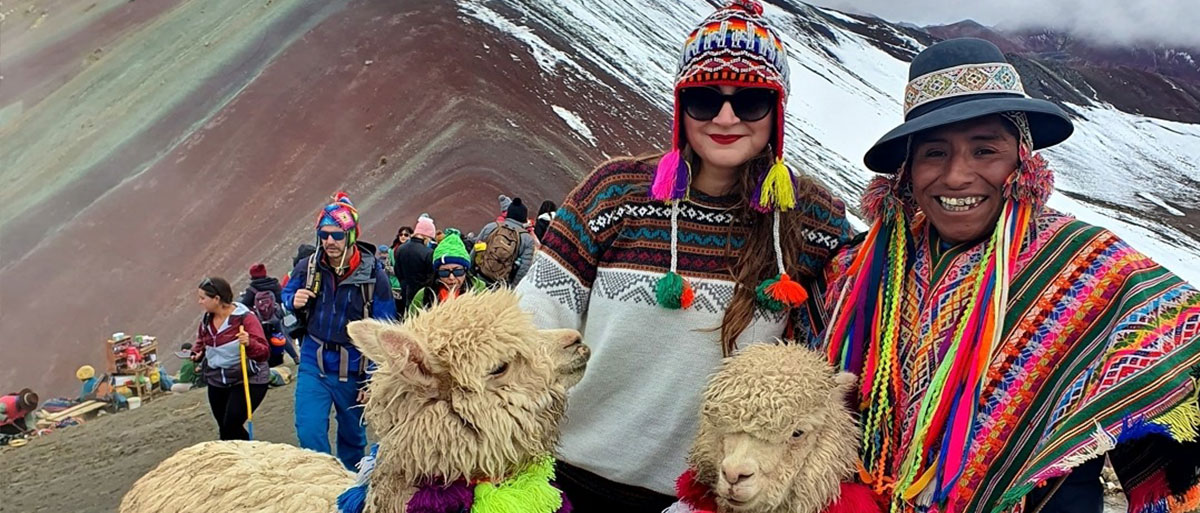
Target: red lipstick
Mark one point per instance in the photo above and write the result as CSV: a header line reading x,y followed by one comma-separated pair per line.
x,y
725,139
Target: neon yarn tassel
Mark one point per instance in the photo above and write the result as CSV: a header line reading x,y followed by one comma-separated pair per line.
x,y
671,178
778,191
787,291
529,490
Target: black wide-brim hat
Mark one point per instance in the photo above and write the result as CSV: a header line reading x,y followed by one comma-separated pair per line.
x,y
960,79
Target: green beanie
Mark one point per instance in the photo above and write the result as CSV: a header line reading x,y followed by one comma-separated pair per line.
x,y
451,251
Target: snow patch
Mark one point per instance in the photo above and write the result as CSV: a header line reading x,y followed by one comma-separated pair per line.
x,y
575,122
1161,204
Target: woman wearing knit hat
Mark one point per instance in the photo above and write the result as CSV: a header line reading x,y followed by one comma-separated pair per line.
x,y
671,262
1018,347
452,274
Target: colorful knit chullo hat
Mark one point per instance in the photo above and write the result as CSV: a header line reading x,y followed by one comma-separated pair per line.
x,y
735,46
342,214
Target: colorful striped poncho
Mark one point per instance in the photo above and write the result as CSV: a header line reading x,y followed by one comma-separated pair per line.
x,y
1099,353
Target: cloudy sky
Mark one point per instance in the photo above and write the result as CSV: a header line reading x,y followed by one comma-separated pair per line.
x,y
1174,22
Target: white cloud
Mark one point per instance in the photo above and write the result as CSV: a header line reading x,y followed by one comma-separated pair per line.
x,y
1172,22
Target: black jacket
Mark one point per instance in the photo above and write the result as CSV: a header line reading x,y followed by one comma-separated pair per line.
x,y
414,269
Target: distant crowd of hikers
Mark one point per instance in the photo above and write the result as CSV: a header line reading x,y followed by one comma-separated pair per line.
x,y
333,282
1004,350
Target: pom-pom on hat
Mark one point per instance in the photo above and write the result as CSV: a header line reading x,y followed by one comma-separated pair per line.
x,y
425,228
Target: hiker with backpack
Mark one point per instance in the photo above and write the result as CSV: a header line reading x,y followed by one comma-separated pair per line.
x,y
505,248
226,328
264,297
340,283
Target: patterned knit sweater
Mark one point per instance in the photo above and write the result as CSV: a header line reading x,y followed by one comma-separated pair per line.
x,y
633,417
1099,350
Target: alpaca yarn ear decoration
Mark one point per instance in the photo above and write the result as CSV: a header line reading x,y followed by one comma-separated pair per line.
x,y
1033,181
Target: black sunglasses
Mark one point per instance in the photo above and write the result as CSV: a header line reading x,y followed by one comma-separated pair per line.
x,y
749,104
445,273
321,235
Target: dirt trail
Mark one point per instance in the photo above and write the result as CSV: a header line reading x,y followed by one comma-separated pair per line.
x,y
88,468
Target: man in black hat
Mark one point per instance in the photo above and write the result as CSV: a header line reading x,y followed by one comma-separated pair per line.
x,y
1004,345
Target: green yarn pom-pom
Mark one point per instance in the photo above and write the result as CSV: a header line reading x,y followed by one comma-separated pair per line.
x,y
669,291
765,300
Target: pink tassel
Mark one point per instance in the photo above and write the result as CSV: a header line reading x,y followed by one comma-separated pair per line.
x,y
671,179
874,198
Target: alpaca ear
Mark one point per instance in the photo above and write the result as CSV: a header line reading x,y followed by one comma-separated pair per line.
x,y
365,336
406,353
844,386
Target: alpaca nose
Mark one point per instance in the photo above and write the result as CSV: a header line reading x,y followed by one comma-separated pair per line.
x,y
735,474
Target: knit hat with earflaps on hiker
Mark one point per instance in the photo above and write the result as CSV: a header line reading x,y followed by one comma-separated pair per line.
x,y
735,46
342,214
451,250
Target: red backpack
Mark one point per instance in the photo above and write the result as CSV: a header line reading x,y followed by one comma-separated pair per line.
x,y
265,306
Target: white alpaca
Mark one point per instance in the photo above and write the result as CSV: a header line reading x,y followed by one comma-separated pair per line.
x,y
467,392
775,436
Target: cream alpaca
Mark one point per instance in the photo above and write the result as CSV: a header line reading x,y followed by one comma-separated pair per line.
x,y
775,436
466,390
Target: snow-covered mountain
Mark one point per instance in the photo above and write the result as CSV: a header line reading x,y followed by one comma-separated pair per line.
x,y
1134,174
145,145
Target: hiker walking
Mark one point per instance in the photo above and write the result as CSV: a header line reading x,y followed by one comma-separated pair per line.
x,y
669,263
505,248
546,214
225,328
402,236
413,259
1020,347
18,412
264,297
340,283
452,274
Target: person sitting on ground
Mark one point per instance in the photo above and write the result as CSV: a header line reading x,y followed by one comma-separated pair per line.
x,y
452,266
187,378
18,412
505,249
88,382
412,262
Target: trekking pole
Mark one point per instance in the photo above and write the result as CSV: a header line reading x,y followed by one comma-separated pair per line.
x,y
246,387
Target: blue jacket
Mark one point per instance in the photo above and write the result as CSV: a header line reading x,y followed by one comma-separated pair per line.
x,y
337,304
